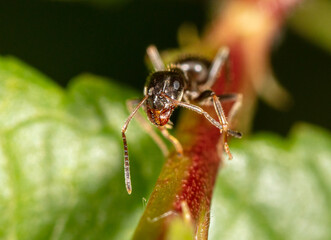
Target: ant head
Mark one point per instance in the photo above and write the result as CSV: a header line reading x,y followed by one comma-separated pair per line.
x,y
162,88
196,68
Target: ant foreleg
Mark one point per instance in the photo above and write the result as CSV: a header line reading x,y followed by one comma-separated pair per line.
x,y
148,128
221,116
200,111
208,117
222,125
126,153
205,97
173,140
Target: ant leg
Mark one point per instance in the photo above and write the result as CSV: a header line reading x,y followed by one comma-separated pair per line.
x,y
223,125
148,128
223,121
207,95
199,110
236,97
227,97
126,153
222,118
173,140
220,59
155,58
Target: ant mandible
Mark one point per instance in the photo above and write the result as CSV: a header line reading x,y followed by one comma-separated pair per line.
x,y
188,79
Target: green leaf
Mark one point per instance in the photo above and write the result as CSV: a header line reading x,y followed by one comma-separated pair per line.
x,y
275,188
61,158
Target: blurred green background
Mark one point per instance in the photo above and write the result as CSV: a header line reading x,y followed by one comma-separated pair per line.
x,y
108,38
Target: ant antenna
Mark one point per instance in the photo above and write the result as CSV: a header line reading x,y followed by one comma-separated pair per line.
x,y
126,153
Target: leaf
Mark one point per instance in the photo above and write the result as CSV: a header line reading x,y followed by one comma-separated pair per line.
x,y
61,158
275,188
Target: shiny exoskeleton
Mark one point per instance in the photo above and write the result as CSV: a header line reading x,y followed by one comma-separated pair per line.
x,y
161,88
187,80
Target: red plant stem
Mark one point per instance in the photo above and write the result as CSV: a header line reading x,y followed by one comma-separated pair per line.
x,y
185,185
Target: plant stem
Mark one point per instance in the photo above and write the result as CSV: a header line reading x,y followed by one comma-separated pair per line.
x,y
185,186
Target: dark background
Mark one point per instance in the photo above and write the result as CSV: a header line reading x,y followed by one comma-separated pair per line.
x,y
64,39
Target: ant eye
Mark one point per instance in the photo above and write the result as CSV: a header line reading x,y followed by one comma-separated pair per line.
x,y
176,85
198,68
150,91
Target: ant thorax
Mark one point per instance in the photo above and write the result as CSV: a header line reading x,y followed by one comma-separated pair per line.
x,y
196,70
163,89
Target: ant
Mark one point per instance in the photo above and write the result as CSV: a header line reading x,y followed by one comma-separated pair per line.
x,y
187,80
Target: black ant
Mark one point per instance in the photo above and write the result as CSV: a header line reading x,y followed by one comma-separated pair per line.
x,y
188,79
